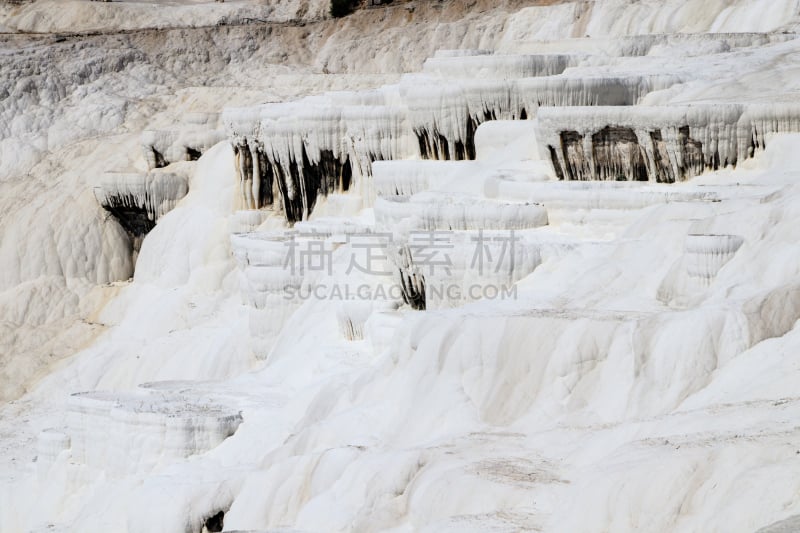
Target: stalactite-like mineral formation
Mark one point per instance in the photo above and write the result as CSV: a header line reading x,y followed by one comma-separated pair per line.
x,y
661,144
288,155
137,201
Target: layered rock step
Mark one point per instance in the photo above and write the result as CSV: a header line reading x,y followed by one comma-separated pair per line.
x,y
138,200
123,433
186,142
657,143
288,155
658,45
473,153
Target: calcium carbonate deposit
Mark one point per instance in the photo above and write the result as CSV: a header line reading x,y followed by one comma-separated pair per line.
x,y
435,265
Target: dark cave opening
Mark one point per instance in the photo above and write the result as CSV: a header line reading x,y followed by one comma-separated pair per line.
x,y
161,162
192,154
215,523
133,218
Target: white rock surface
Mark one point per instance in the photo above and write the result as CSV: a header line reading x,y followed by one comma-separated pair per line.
x,y
136,432
629,365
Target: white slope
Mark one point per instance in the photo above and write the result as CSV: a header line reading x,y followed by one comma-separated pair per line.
x,y
637,374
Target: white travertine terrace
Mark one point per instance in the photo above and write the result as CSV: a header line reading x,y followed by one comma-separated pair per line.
x,y
154,193
333,226
445,115
707,254
509,139
694,273
162,147
595,195
247,220
138,200
270,266
476,264
406,178
581,309
319,145
672,44
136,432
288,154
659,143
443,213
498,66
